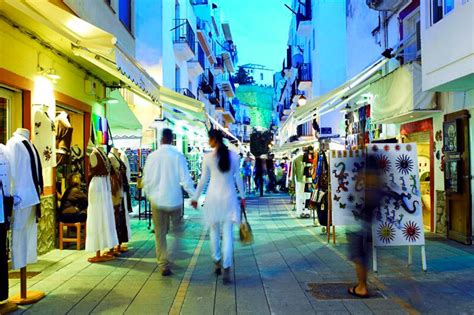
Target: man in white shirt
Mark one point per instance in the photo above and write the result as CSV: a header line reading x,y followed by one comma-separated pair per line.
x,y
166,171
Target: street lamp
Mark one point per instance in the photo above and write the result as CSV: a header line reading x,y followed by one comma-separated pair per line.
x,y
302,100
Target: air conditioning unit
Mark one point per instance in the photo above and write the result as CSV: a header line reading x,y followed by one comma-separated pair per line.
x,y
386,5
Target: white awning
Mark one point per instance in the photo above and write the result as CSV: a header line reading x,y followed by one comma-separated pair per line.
x,y
183,103
95,45
398,96
223,129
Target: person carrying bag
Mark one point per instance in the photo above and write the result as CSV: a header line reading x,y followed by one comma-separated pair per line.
x,y
246,235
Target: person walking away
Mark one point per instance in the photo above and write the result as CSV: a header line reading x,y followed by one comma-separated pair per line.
x,y
247,172
259,175
165,173
271,174
359,235
221,169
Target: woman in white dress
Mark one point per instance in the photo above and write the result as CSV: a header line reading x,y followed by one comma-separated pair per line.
x,y
221,168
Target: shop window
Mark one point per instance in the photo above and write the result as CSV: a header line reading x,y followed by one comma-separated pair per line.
x,y
125,13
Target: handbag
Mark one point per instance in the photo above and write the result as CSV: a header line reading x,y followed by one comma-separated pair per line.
x,y
7,207
246,235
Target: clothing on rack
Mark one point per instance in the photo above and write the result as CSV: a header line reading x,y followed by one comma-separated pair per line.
x,y
45,138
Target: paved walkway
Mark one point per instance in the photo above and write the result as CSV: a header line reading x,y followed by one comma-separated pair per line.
x,y
271,276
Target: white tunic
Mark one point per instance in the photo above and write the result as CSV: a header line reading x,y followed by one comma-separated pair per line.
x,y
221,204
4,178
24,188
24,226
45,139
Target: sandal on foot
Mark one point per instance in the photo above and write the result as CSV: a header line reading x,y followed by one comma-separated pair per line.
x,y
352,291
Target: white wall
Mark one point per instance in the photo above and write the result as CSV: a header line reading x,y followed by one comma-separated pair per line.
x,y
447,46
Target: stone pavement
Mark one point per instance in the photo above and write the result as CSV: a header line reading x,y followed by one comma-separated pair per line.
x,y
271,276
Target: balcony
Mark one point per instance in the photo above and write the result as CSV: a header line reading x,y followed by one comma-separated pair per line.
x,y
305,77
219,66
184,40
207,82
199,2
227,84
186,92
303,19
227,114
204,35
229,56
197,65
215,97
246,120
447,48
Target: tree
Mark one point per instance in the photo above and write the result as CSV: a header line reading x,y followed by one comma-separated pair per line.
x,y
243,77
259,141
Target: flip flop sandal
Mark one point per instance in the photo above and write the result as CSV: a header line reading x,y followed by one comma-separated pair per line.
x,y
352,291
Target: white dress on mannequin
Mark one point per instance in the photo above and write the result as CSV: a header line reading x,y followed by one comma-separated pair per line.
x,y
24,226
45,138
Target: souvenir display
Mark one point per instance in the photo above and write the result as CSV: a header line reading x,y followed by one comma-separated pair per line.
x,y
347,170
399,219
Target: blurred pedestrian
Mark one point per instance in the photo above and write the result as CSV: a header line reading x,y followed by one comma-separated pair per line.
x,y
259,172
247,172
270,164
166,173
359,234
221,168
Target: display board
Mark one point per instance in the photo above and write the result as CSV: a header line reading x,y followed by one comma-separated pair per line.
x,y
398,221
347,168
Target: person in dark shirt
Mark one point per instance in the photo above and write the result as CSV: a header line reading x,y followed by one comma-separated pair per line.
x,y
73,202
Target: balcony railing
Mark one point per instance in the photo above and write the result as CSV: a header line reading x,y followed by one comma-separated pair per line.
x,y
304,12
304,72
216,97
199,2
183,33
201,56
207,82
186,92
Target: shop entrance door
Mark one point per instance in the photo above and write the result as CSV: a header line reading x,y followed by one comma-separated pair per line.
x,y
457,175
6,98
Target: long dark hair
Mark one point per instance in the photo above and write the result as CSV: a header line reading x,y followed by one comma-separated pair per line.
x,y
223,154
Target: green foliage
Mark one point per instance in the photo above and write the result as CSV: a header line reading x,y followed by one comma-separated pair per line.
x,y
243,77
259,103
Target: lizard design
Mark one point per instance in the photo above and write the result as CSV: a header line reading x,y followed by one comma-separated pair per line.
x,y
341,177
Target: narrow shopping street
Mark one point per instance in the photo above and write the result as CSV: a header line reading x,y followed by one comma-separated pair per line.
x,y
272,276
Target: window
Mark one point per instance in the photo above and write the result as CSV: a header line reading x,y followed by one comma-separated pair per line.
x,y
177,78
440,8
177,13
448,6
6,98
125,13
261,76
411,25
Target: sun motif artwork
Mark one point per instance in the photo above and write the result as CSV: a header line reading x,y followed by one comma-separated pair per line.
x,y
411,231
404,164
386,232
383,163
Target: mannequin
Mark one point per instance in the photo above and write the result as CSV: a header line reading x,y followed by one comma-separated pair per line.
x,y
63,137
101,232
299,180
27,178
119,180
45,135
5,305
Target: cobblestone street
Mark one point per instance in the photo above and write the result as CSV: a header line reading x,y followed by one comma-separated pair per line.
x,y
271,277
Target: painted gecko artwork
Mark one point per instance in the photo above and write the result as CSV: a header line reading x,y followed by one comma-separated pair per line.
x,y
398,221
347,185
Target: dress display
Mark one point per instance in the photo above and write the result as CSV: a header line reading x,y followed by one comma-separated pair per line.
x,y
5,188
26,174
63,138
101,232
45,137
298,178
118,177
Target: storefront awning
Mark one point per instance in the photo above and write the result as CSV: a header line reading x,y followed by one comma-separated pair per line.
x,y
330,100
216,124
398,96
174,100
95,45
121,119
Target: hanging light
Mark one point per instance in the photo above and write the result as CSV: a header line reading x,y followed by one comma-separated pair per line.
x,y
302,100
52,74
